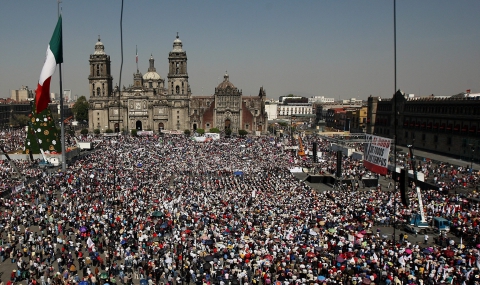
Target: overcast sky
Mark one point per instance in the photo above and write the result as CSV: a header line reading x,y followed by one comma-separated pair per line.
x,y
339,49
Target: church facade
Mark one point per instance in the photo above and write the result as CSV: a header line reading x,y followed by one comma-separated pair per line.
x,y
153,103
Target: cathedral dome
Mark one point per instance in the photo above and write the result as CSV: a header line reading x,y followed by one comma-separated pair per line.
x,y
151,75
152,72
226,83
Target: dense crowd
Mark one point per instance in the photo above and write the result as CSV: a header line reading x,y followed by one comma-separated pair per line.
x,y
169,210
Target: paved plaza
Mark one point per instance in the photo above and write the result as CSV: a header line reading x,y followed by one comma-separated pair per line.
x,y
171,210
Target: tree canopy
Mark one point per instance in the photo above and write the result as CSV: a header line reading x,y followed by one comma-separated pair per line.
x,y
20,120
80,109
242,133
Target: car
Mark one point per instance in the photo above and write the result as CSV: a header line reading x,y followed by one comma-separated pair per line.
x,y
410,229
416,230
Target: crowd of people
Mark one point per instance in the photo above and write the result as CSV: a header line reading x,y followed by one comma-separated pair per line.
x,y
169,210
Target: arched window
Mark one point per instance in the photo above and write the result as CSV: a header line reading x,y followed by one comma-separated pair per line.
x,y
98,69
103,89
177,89
98,90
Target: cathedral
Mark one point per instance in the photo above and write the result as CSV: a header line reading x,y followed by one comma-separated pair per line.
x,y
152,103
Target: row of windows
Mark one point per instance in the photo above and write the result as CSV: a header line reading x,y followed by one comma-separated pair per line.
x,y
462,110
444,127
291,112
283,109
434,139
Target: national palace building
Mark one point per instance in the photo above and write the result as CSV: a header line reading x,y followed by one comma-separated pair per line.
x,y
154,103
447,124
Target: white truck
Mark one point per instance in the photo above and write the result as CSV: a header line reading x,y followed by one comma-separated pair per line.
x,y
84,145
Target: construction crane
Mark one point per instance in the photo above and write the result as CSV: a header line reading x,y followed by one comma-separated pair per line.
x,y
301,149
67,120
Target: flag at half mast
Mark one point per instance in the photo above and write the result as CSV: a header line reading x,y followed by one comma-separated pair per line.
x,y
54,56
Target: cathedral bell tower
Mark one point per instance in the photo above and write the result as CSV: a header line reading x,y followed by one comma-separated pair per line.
x,y
100,82
100,77
178,94
177,72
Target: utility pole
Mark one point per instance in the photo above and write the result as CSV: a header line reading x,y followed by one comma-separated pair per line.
x,y
62,123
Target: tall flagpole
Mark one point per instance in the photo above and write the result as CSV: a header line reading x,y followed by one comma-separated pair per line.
x,y
62,124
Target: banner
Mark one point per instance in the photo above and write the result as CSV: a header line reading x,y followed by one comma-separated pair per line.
x,y
291,147
377,150
19,188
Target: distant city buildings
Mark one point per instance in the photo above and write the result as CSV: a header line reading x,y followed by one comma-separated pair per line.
x,y
320,99
341,115
22,94
271,108
67,95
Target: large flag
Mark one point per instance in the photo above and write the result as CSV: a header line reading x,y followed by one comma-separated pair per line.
x,y
54,56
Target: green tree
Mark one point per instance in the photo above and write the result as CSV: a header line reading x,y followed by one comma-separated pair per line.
x,y
242,133
80,109
84,131
201,131
228,132
20,120
186,132
96,131
134,132
214,130
109,131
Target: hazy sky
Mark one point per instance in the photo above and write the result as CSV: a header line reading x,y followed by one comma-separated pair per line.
x,y
333,48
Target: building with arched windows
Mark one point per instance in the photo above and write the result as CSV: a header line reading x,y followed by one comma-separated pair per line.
x,y
153,103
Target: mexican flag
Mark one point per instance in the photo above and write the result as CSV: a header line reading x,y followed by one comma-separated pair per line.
x,y
54,57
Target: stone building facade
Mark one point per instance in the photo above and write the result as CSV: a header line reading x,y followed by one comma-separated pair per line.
x,y
446,125
152,103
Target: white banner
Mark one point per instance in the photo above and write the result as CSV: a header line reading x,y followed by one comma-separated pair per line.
x,y
377,150
291,147
18,188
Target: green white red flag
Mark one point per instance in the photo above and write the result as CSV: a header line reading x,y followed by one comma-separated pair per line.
x,y
54,57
